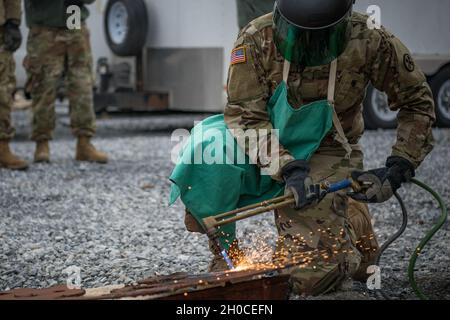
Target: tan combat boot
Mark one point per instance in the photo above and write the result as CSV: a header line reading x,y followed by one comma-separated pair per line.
x,y
87,152
366,241
8,160
42,153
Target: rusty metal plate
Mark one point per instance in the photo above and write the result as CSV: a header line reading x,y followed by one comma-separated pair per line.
x,y
56,292
259,283
251,284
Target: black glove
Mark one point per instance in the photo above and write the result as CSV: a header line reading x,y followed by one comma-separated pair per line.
x,y
13,36
298,181
382,182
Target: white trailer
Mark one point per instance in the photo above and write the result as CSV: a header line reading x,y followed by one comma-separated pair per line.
x,y
180,50
174,54
424,27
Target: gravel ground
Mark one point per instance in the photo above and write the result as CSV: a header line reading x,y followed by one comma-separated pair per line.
x,y
114,223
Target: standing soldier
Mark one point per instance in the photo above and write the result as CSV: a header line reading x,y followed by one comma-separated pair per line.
x,y
252,9
54,49
304,54
303,70
10,40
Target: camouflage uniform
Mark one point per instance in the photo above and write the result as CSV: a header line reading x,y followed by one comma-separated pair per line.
x,y
50,53
252,9
54,50
9,9
330,238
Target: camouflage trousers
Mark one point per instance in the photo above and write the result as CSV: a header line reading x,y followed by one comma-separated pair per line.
x,y
328,243
332,241
52,52
7,86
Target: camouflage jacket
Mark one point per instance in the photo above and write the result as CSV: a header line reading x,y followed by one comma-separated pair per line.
x,y
374,56
10,9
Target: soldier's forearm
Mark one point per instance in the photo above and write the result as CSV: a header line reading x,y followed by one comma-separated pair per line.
x,y
264,149
415,120
414,137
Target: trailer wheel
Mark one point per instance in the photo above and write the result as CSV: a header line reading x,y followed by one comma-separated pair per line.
x,y
126,26
440,85
376,111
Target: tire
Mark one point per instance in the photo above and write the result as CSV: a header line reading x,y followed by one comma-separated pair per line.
x,y
440,85
376,111
126,25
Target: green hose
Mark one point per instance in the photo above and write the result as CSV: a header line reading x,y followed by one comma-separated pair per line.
x,y
428,236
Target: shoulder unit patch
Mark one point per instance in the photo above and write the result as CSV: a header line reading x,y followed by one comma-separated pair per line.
x,y
238,55
409,62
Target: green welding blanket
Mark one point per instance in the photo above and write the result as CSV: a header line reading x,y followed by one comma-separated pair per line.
x,y
208,189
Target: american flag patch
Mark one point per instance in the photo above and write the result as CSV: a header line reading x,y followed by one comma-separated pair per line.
x,y
238,55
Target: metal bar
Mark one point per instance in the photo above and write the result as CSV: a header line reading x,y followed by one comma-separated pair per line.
x,y
253,206
271,204
255,212
195,283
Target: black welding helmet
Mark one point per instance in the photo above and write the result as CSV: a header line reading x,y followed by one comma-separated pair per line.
x,y
312,32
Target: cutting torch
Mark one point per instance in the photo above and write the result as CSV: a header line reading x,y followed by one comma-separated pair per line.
x,y
212,224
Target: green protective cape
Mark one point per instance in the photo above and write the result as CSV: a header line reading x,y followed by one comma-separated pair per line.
x,y
211,189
